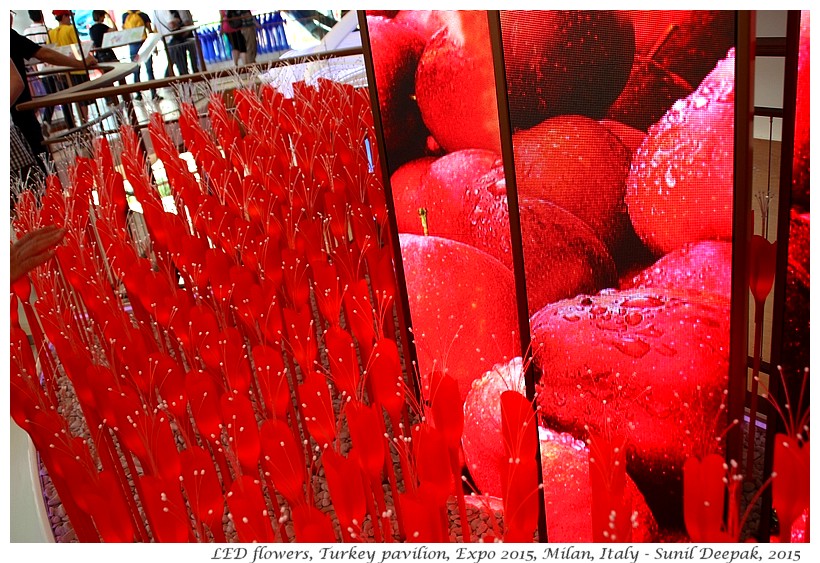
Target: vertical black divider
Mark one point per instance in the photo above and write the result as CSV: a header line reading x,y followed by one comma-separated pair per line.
x,y
741,230
773,422
522,304
403,306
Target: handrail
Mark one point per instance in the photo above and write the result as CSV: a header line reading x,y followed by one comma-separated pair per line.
x,y
53,100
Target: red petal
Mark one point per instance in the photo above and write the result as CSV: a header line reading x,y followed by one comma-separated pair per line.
x,y
283,459
249,511
344,482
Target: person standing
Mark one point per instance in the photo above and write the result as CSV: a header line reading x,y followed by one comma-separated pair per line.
x,y
37,246
22,49
231,28
181,45
20,158
130,20
96,32
248,26
38,33
63,35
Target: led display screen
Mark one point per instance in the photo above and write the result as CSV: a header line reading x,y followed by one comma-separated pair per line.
x,y
437,96
436,89
795,355
791,442
623,134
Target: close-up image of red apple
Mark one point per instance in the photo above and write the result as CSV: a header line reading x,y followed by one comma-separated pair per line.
x,y
463,195
562,256
636,362
463,198
680,185
653,27
796,341
576,163
696,43
426,22
564,462
703,267
623,139
455,86
649,93
396,52
674,52
631,138
562,62
802,118
462,308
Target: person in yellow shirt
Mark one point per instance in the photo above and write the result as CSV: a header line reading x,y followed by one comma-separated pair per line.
x,y
63,34
66,34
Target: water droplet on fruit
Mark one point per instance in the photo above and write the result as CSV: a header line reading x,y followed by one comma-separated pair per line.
x,y
634,318
670,177
634,347
645,301
597,311
651,331
665,350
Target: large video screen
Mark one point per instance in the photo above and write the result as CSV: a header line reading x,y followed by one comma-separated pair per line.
x,y
795,355
622,134
437,97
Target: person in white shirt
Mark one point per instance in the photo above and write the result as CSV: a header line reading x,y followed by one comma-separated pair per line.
x,y
181,47
37,31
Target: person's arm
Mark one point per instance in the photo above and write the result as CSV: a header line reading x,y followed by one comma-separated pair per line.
x,y
17,84
185,17
147,21
161,18
53,57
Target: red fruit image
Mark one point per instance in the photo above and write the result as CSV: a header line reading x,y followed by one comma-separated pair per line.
x,y
795,355
680,184
426,22
564,461
693,47
396,50
649,364
404,183
464,198
455,86
463,195
703,267
653,27
631,138
577,164
802,122
383,13
563,62
562,256
649,93
462,308
675,51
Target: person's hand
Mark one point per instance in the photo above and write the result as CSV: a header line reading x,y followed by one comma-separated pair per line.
x,y
90,61
32,249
